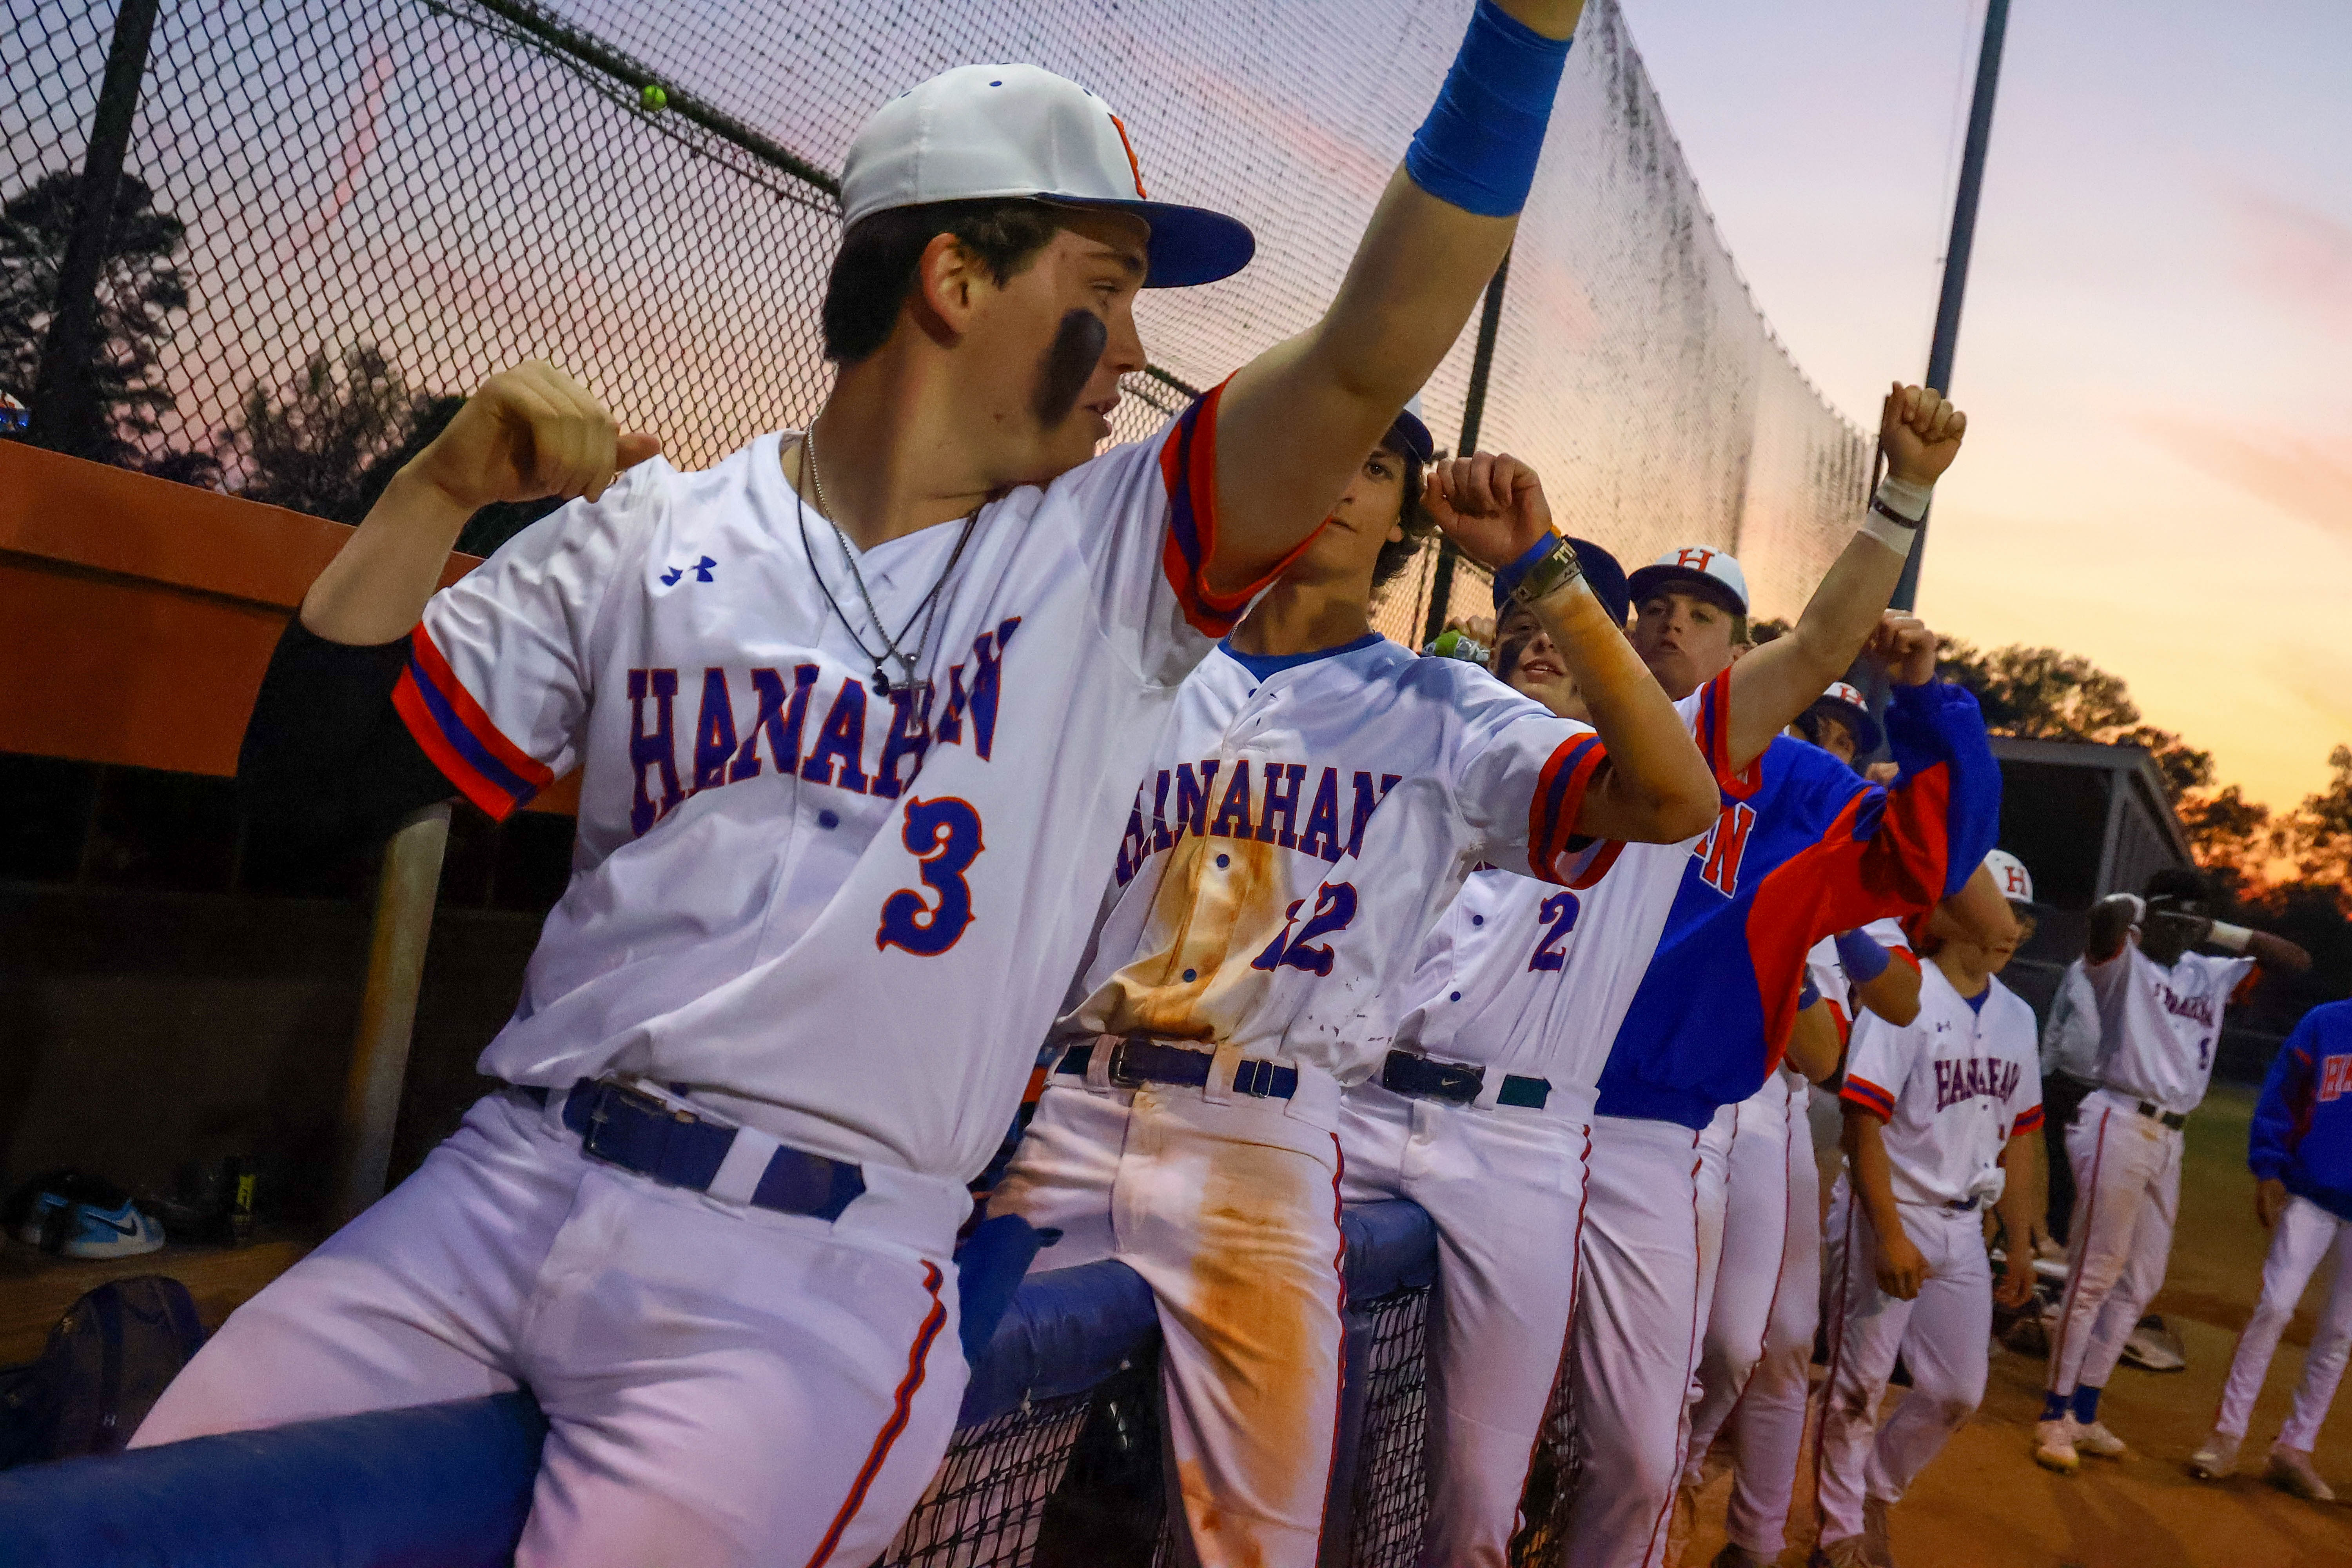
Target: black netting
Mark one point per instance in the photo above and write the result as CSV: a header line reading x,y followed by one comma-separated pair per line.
x,y
1542,1536
1071,1482
1392,1496
337,215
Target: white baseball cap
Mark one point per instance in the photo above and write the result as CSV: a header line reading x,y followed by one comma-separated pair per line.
x,y
1855,713
1693,563
1019,132
2009,874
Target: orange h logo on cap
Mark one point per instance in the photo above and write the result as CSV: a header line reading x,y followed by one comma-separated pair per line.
x,y
1696,559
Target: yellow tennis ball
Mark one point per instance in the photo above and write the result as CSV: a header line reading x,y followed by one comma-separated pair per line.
x,y
653,98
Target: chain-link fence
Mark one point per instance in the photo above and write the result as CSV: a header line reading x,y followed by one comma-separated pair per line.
x,y
336,215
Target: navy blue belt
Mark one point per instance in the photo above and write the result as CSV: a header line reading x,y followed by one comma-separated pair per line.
x,y
1457,1083
2155,1112
1140,1059
1966,1205
631,1129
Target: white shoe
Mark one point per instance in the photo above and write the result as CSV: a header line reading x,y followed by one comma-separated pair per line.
x,y
2290,1470
2217,1459
2097,1441
2053,1445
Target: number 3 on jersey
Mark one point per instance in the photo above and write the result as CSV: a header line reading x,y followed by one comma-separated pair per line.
x,y
944,835
1561,910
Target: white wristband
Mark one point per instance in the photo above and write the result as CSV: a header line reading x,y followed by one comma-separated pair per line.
x,y
2234,938
1893,518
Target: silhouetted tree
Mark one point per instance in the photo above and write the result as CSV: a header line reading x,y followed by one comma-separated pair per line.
x,y
140,290
315,444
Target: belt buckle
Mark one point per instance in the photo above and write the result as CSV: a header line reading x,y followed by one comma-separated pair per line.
x,y
636,1098
1115,1066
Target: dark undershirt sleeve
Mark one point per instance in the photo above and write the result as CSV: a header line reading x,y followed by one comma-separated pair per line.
x,y
326,757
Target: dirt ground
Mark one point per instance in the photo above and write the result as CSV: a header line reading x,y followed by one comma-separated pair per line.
x,y
1985,1504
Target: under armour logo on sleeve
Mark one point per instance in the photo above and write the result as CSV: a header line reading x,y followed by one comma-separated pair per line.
x,y
701,570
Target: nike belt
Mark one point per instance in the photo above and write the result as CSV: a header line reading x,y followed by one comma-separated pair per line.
x,y
1139,1060
1457,1083
628,1127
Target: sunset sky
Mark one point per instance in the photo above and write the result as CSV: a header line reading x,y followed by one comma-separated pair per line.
x,y
2159,470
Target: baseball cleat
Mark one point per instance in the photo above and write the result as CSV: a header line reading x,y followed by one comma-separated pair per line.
x,y
1735,1555
2217,1459
1846,1552
1877,1545
2098,1442
2290,1470
2054,1445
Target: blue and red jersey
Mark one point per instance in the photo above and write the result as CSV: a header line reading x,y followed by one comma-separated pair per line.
x,y
1804,849
2301,1133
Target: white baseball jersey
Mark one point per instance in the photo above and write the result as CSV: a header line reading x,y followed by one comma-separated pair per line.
x,y
2158,1026
1953,1086
1305,820
1528,979
2070,1043
844,916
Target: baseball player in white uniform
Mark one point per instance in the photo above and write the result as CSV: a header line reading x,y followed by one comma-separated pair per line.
x,y
1763,1290
2161,1010
1500,1047
2300,1151
1943,1117
825,699
1314,805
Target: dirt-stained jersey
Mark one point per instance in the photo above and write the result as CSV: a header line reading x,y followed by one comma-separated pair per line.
x,y
1304,821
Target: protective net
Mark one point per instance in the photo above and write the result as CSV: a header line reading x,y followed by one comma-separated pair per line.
x,y
1391,1497
339,213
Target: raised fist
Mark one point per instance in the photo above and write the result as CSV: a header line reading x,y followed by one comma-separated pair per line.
x,y
1491,505
1920,432
1906,646
529,432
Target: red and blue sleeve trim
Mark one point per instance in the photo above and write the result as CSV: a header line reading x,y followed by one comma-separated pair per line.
x,y
2027,1121
1560,797
1188,467
1869,1096
1713,733
452,729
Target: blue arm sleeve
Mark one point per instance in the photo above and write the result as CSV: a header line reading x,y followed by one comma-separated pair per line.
x,y
2270,1140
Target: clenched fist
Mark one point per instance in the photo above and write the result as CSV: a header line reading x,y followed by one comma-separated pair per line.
x,y
1491,505
529,432
1906,646
1920,432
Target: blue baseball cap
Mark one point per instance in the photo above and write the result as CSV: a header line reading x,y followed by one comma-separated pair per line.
x,y
1603,575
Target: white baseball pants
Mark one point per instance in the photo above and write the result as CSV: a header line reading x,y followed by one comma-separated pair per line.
x,y
1634,1339
1231,1212
2126,1196
1713,1182
2302,1239
1943,1335
1506,1188
722,1385
1759,1345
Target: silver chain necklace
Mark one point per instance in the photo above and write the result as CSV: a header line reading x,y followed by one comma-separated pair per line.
x,y
927,610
